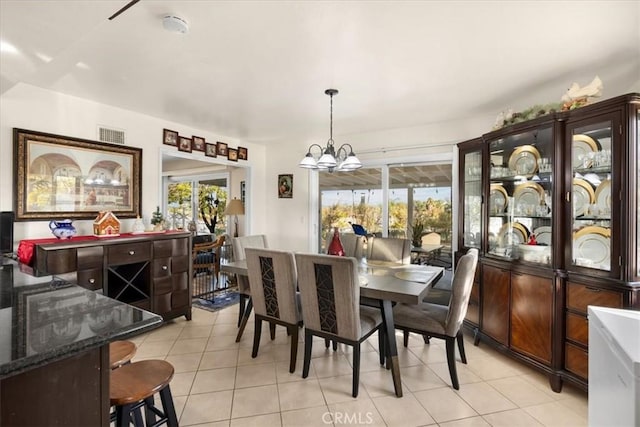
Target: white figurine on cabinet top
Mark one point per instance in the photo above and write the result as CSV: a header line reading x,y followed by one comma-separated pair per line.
x,y
577,96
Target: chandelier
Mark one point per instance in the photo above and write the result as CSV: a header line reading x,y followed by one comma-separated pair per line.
x,y
342,159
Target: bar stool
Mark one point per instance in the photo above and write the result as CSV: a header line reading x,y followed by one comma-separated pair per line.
x,y
121,353
133,386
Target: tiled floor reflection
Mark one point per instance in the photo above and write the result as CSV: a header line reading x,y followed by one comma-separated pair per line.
x,y
217,382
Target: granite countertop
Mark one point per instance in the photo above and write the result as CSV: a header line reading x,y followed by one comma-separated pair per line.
x,y
43,319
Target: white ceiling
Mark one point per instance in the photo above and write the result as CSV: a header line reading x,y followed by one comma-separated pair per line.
x,y
257,70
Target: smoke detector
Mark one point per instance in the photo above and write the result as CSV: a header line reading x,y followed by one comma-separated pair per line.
x,y
175,24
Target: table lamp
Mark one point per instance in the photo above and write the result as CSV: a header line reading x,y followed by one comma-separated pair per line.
x,y
235,208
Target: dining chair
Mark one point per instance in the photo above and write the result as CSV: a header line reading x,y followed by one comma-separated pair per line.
x,y
330,295
444,322
352,244
273,281
389,249
239,245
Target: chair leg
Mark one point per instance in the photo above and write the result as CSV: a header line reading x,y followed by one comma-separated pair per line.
x,y
381,345
335,345
243,303
293,330
123,415
451,361
356,370
149,415
272,330
245,319
460,339
327,342
308,338
405,337
257,331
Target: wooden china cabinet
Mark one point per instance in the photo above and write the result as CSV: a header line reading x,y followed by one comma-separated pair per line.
x,y
553,206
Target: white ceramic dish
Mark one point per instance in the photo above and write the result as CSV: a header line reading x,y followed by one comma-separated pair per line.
x,y
543,235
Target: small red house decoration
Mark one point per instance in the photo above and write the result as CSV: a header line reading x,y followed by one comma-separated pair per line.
x,y
106,224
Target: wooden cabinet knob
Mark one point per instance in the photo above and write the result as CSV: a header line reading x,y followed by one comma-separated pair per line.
x,y
132,252
164,267
92,281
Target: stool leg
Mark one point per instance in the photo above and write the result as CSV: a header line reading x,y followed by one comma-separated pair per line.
x,y
149,415
167,405
123,415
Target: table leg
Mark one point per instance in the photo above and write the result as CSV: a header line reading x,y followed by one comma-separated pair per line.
x,y
392,356
245,318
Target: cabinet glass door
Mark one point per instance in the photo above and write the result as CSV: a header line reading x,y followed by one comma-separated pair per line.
x,y
472,214
591,202
520,196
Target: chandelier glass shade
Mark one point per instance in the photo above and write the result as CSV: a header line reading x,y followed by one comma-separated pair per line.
x,y
329,158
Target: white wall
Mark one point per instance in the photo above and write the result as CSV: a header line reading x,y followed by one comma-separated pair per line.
x,y
32,108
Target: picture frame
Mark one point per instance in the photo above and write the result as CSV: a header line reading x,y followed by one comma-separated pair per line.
x,y
62,177
184,144
285,186
170,137
232,154
197,143
210,150
243,153
222,148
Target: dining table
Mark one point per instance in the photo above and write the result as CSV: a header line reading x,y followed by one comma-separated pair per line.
x,y
384,284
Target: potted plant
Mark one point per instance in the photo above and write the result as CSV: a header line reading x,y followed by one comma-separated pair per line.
x,y
417,229
157,219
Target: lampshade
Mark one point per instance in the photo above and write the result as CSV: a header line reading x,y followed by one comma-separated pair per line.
x,y
234,207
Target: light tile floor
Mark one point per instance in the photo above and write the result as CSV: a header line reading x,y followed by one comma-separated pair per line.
x,y
217,383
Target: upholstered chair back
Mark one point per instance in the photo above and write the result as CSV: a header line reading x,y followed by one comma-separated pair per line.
x,y
389,249
330,294
461,292
239,245
352,244
273,281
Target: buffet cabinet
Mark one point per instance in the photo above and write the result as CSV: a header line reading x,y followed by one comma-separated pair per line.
x,y
552,204
151,271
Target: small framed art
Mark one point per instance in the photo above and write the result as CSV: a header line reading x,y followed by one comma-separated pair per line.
x,y
197,143
222,148
210,150
243,153
285,186
232,154
184,144
170,137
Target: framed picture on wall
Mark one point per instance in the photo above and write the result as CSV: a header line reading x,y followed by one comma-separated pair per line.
x,y
285,186
184,144
198,143
210,150
222,148
169,137
232,154
243,153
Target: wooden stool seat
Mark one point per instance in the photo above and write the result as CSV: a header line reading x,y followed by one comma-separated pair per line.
x,y
121,353
133,386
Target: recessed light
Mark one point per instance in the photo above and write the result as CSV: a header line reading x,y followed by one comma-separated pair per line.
x,y
175,24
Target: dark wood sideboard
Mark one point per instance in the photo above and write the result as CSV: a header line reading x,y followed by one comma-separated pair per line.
x,y
149,271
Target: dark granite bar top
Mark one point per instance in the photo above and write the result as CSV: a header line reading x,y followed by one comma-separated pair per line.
x,y
44,319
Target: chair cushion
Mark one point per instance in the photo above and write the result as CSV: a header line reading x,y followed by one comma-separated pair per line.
x,y
370,318
424,317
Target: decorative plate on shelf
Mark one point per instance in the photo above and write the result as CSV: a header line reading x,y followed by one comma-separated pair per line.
x,y
592,247
518,233
543,235
603,196
583,196
582,146
498,199
524,160
527,194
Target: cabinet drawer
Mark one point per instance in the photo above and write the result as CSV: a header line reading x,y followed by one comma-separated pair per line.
x,y
580,296
577,328
180,247
162,267
162,248
56,261
128,254
576,360
90,278
91,257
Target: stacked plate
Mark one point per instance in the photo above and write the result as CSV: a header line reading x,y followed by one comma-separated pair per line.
x,y
592,247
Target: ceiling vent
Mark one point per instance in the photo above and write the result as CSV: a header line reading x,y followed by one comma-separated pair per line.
x,y
114,136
